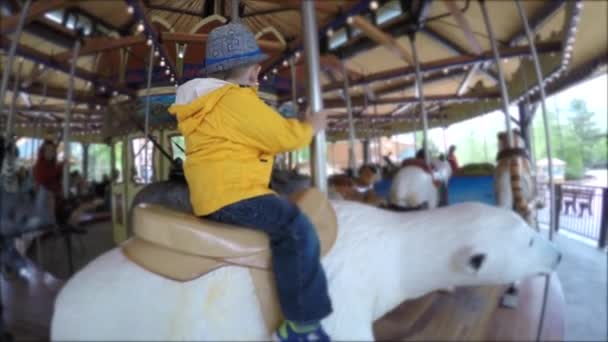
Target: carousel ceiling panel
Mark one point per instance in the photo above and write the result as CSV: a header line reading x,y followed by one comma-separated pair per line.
x,y
41,44
112,13
591,41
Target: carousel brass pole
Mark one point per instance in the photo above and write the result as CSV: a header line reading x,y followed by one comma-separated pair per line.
x,y
294,99
552,199
420,95
147,113
311,50
11,54
235,11
352,162
501,76
8,169
10,120
543,98
66,125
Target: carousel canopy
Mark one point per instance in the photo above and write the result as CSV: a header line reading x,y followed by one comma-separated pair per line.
x,y
366,41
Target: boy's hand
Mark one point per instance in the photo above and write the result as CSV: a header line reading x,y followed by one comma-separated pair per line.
x,y
318,120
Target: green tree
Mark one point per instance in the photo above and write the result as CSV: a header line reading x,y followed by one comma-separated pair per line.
x,y
577,140
584,130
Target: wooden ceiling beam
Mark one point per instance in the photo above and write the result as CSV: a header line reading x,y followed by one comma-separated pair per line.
x,y
360,100
457,49
52,109
464,25
139,12
447,63
64,66
200,38
37,9
384,39
100,44
80,97
322,6
538,20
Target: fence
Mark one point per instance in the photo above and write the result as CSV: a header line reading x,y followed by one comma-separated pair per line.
x,y
581,209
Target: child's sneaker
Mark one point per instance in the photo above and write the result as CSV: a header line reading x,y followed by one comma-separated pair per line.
x,y
290,333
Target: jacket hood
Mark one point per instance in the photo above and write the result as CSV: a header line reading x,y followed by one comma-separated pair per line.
x,y
194,99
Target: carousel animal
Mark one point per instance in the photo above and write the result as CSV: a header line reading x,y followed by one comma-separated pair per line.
x,y
359,189
417,185
514,184
404,256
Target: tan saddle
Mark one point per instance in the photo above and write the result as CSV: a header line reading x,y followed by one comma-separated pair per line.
x,y
183,247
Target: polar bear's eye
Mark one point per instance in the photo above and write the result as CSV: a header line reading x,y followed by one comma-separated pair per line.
x,y
531,242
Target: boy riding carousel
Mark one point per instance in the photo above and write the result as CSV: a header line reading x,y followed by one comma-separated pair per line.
x,y
231,139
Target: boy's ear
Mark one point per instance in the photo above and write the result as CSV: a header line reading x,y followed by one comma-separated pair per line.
x,y
255,73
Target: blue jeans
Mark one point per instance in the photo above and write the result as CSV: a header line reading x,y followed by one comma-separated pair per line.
x,y
299,276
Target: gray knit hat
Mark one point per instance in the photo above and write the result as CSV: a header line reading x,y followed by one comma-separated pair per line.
x,y
230,46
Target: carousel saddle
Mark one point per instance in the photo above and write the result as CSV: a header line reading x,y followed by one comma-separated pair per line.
x,y
184,247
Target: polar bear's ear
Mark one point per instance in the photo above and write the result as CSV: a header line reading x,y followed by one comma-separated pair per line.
x,y
475,262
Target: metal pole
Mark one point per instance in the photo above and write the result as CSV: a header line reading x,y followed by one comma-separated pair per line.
x,y
12,51
420,95
66,125
235,11
311,50
11,114
294,99
501,76
147,112
552,208
351,124
8,169
543,98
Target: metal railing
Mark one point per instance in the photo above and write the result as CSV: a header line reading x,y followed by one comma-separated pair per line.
x,y
581,209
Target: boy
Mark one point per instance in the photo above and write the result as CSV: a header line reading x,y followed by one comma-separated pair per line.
x,y
231,139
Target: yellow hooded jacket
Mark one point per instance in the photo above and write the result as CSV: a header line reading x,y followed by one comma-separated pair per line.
x,y
231,139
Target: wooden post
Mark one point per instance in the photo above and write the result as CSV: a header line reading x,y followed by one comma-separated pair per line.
x,y
365,151
558,205
604,224
524,122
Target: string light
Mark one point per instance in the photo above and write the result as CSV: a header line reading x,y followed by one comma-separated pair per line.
x,y
97,107
40,66
298,54
140,27
162,62
172,79
149,41
180,55
115,93
156,53
285,63
130,9
350,20
102,89
330,32
167,72
373,5
275,71
265,77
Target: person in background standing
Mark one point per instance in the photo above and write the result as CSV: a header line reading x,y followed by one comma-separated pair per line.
x,y
452,158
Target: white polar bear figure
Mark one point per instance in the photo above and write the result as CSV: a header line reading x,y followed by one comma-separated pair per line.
x,y
380,259
412,187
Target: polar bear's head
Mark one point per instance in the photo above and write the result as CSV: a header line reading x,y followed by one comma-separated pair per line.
x,y
499,248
